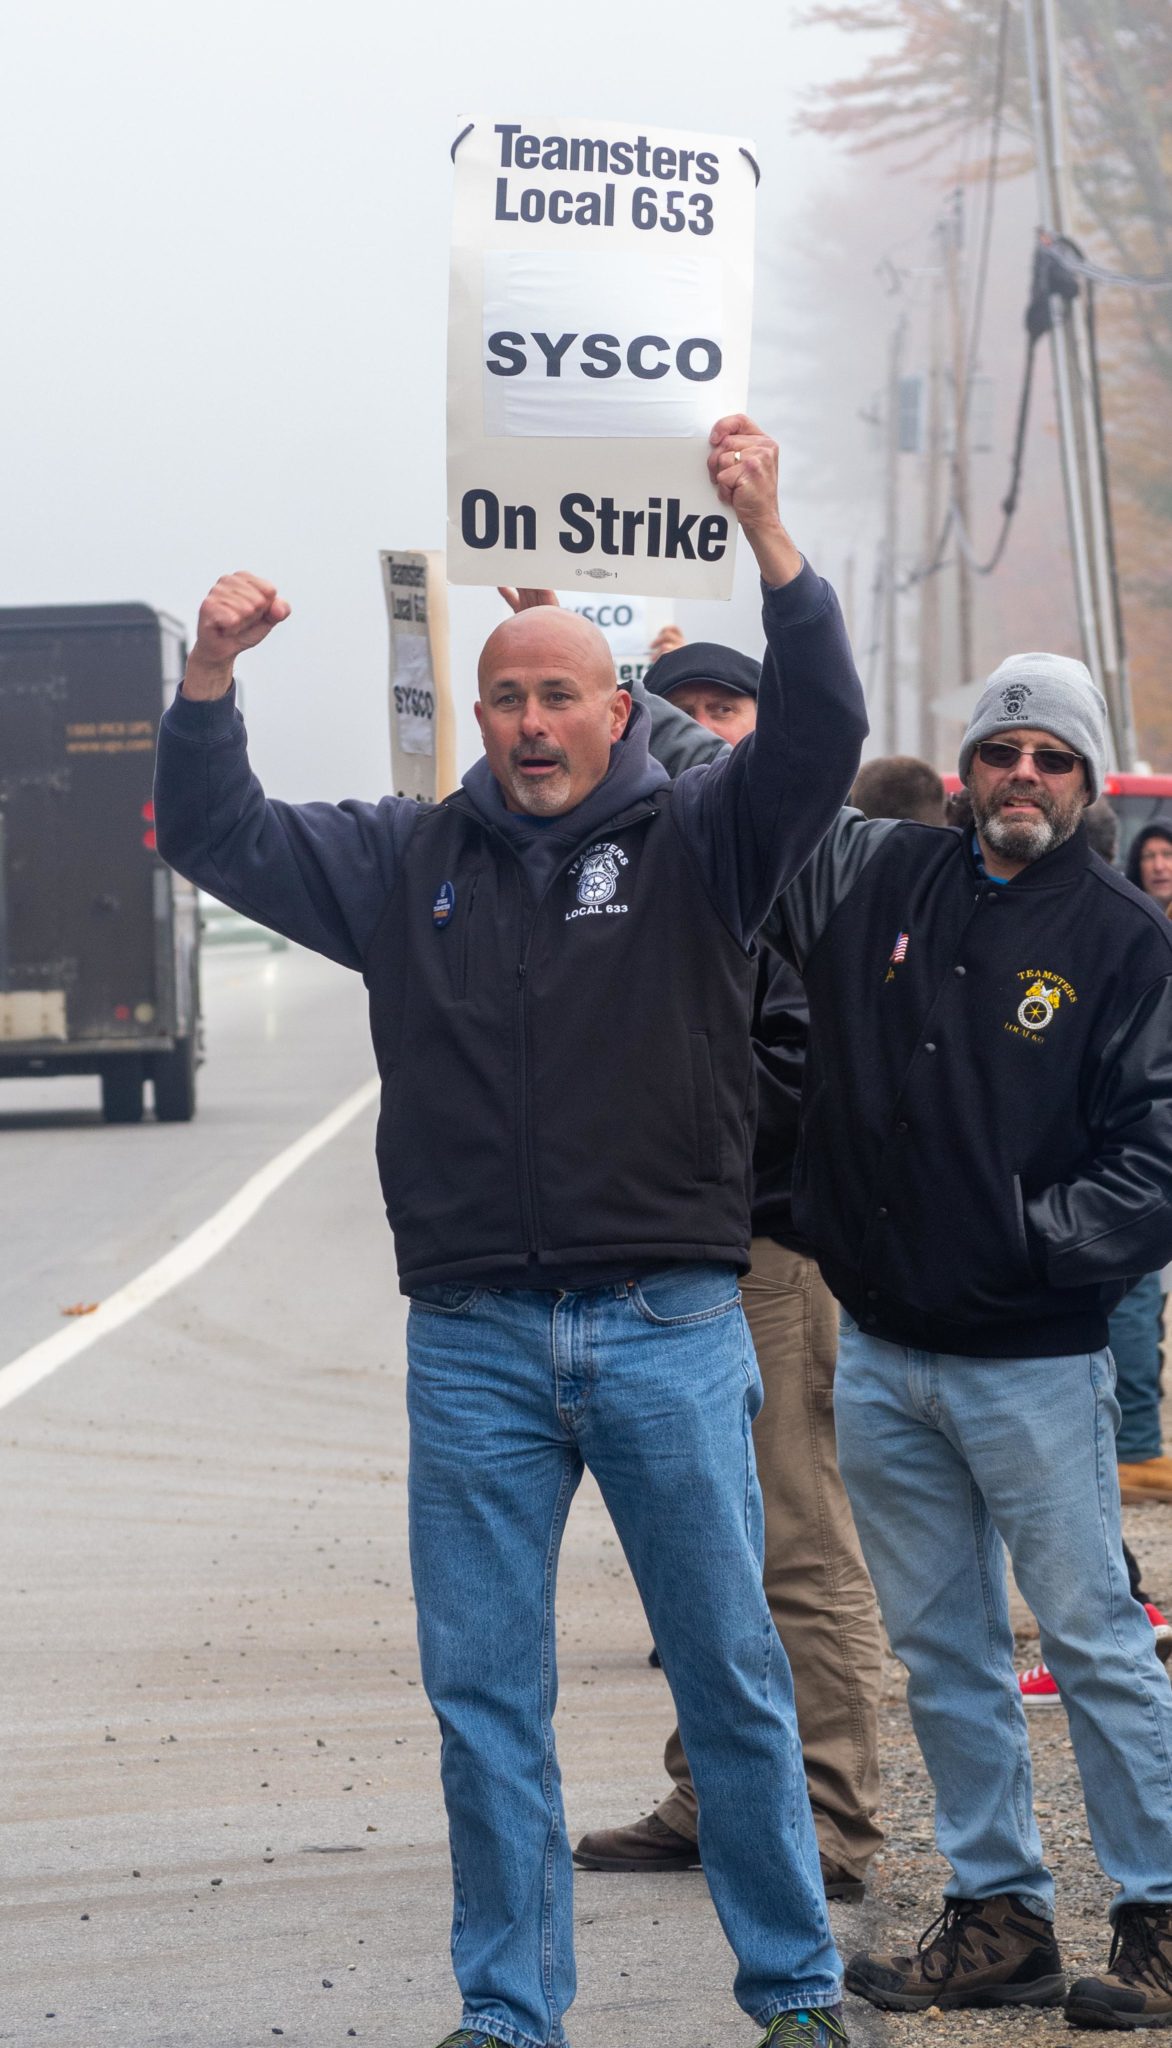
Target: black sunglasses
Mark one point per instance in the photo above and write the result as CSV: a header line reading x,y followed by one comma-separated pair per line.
x,y
1051,760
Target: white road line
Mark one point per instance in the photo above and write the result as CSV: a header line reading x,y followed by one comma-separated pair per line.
x,y
178,1265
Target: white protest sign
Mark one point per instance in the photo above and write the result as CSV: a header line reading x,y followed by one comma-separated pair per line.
x,y
630,625
422,722
599,324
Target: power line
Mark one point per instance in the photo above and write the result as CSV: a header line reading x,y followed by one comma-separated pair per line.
x,y
1073,260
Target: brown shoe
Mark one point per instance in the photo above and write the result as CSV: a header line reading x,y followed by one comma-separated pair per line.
x,y
1135,1989
839,1884
646,1845
979,1952
1147,1479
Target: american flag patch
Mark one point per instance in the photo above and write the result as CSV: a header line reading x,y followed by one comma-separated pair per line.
x,y
899,950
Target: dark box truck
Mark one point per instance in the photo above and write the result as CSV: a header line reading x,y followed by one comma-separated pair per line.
x,y
99,941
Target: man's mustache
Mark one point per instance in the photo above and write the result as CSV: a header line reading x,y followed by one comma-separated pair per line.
x,y
554,754
1033,791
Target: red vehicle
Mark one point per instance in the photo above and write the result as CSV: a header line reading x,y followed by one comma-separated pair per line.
x,y
1137,799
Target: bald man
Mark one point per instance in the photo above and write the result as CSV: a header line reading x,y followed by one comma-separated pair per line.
x,y
559,961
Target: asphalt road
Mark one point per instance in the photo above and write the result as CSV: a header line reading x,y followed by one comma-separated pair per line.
x,y
219,1810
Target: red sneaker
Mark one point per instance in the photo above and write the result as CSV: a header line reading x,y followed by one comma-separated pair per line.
x,y
1163,1630
1038,1688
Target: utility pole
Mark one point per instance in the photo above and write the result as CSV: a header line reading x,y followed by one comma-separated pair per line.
x,y
966,659
889,718
1084,479
928,735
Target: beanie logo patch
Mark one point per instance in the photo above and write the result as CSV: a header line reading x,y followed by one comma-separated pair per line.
x,y
1013,699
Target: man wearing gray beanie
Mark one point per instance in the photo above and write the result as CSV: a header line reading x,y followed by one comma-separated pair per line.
x,y
984,1167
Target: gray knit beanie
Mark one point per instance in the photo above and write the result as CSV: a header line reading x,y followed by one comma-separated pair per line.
x,y
1043,693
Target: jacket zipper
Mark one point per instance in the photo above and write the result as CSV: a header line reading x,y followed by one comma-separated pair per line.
x,y
527,1170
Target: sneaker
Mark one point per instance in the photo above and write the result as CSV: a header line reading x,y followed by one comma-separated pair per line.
x,y
462,2038
651,1845
816,2026
1146,1479
840,1885
978,1952
1038,1688
1163,1630
646,1845
1135,1990
1037,1685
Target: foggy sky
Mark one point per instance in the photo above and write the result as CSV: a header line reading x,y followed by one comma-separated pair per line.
x,y
223,322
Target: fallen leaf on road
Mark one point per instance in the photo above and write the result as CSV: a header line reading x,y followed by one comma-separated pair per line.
x,y
81,1308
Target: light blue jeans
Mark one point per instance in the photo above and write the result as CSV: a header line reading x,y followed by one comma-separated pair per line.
x,y
1133,1332
654,1386
943,1458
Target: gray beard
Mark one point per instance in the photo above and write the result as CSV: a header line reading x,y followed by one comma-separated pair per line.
x,y
1027,842
540,799
1022,841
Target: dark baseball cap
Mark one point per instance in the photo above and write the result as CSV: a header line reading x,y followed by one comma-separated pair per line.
x,y
704,661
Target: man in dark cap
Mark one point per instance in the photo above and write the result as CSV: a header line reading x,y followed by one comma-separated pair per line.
x,y
717,686
819,1594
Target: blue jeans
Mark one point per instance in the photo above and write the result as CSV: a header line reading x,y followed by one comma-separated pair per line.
x,y
653,1385
943,1458
1133,1333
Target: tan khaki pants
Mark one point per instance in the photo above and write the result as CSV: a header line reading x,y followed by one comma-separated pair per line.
x,y
819,1594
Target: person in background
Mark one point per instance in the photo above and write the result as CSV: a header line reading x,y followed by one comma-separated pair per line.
x,y
958,811
715,685
900,786
1038,1686
819,1594
1149,861
1102,826
666,638
1137,1324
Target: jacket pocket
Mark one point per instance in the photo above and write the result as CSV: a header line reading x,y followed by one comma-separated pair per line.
x,y
706,1123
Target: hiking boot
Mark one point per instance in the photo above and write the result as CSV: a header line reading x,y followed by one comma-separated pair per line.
x,y
1146,1479
978,1952
1135,1990
646,1845
815,2026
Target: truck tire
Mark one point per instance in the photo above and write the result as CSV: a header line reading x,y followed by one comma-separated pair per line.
x,y
173,1078
122,1086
